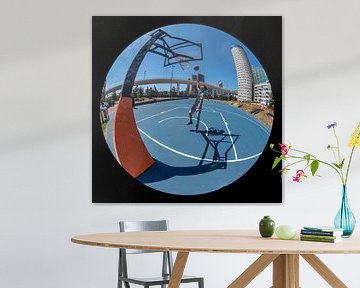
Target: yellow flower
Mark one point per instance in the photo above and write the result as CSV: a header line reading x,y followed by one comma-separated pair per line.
x,y
355,138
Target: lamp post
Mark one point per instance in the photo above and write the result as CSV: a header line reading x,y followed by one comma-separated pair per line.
x,y
171,79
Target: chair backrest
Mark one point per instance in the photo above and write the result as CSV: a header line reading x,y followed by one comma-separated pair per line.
x,y
134,226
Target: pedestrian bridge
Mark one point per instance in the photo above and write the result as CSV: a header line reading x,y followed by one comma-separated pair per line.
x,y
175,81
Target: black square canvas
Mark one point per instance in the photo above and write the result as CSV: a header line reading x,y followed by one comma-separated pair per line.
x,y
184,109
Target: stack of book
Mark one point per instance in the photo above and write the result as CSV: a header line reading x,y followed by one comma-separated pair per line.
x,y
321,234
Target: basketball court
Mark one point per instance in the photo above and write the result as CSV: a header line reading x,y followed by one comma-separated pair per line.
x,y
189,162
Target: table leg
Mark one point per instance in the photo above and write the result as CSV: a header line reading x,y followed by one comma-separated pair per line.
x,y
178,269
324,271
253,270
286,271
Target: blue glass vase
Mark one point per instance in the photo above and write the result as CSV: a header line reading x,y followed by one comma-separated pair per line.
x,y
345,219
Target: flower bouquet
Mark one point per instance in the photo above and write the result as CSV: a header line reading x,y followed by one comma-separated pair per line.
x,y
310,164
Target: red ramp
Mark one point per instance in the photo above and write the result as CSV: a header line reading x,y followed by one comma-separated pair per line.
x,y
130,149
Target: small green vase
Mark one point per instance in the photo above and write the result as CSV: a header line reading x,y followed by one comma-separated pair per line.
x,y
267,227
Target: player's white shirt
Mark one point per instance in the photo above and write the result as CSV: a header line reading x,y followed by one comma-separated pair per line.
x,y
199,97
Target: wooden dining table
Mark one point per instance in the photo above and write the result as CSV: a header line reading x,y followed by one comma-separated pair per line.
x,y
283,254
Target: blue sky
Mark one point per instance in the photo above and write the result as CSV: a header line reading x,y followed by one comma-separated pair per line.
x,y
217,63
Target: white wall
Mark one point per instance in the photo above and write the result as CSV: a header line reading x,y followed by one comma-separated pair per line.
x,y
45,150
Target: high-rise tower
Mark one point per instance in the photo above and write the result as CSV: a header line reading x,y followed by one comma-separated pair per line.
x,y
244,73
259,75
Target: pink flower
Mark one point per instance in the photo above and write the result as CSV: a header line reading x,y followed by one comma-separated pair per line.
x,y
284,149
299,175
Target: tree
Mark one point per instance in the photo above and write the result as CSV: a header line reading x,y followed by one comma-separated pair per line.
x,y
113,96
147,91
271,102
150,92
141,92
135,91
173,91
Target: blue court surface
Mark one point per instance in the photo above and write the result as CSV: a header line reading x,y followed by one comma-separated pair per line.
x,y
189,162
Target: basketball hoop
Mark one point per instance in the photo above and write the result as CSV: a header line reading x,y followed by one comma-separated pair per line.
x,y
175,50
182,61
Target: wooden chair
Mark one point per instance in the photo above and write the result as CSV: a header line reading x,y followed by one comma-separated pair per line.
x,y
167,262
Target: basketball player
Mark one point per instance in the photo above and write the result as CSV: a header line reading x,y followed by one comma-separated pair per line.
x,y
197,106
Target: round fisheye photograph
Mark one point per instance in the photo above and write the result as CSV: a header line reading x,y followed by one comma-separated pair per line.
x,y
186,109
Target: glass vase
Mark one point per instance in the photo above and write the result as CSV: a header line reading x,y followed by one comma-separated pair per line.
x,y
345,219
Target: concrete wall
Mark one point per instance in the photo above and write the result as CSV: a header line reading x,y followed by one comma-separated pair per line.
x,y
45,150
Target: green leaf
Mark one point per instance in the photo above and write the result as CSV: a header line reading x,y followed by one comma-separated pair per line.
x,y
339,166
271,146
277,161
314,166
307,157
336,165
342,163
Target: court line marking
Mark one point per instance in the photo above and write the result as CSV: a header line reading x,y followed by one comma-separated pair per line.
x,y
227,128
158,114
257,123
248,118
195,157
206,109
207,128
232,140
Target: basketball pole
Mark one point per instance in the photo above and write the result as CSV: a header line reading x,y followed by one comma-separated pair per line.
x,y
130,149
135,64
